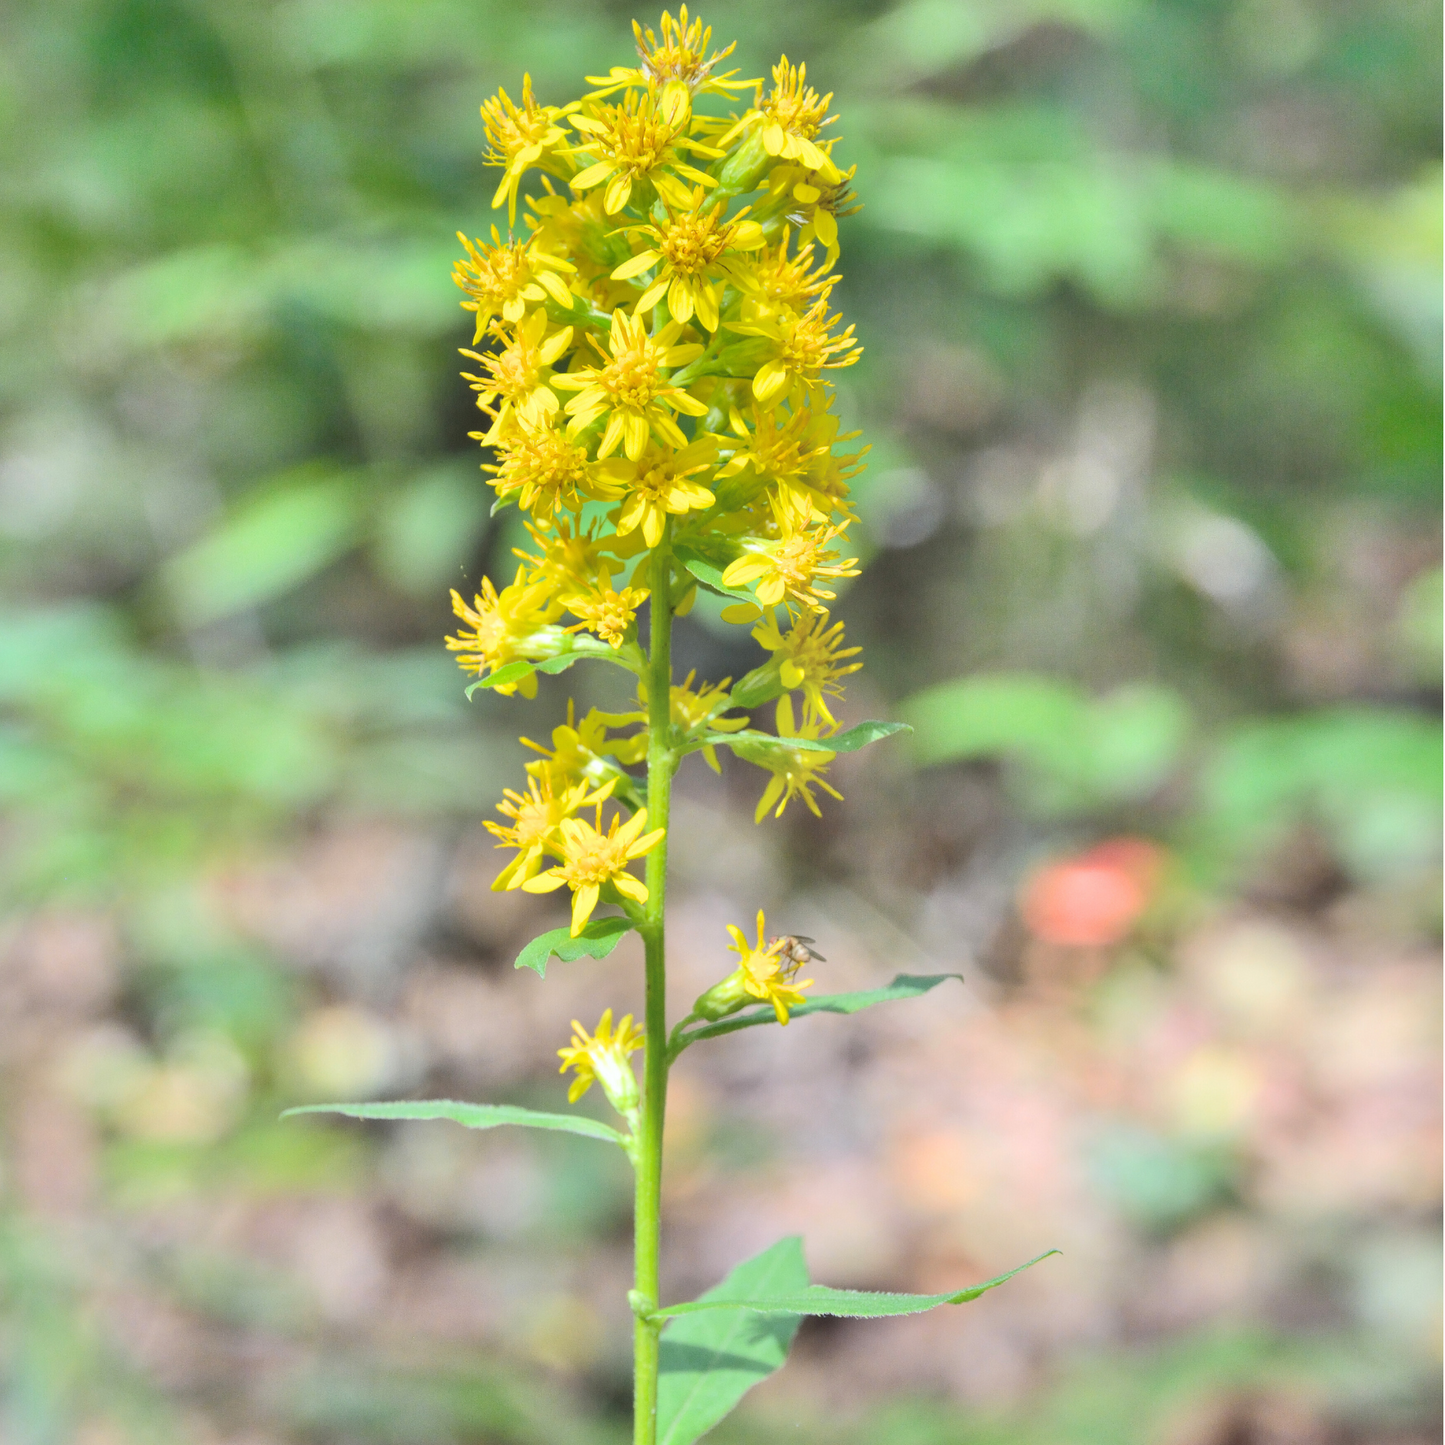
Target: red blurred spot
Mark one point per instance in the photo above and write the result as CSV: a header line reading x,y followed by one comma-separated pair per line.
x,y
1092,900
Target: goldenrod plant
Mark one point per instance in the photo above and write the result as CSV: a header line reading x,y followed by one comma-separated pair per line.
x,y
652,359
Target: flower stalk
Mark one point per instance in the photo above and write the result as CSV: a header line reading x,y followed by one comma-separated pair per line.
x,y
662,763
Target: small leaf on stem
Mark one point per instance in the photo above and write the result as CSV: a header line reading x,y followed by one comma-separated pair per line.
x,y
596,940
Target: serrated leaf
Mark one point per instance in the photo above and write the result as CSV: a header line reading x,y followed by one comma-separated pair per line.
x,y
855,1304
905,985
708,1363
711,575
844,742
597,939
471,1116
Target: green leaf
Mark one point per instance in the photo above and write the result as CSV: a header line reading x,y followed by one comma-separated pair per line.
x,y
983,716
1076,752
472,1116
711,575
708,1363
297,525
844,742
515,671
428,528
1371,776
597,940
905,985
578,649
855,1304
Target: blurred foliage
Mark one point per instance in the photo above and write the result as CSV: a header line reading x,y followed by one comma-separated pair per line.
x,y
1142,1397
1151,295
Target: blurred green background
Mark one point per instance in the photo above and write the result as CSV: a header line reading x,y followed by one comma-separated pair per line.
x,y
1150,291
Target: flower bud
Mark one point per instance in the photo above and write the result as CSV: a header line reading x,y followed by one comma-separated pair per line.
x,y
761,685
619,1083
745,167
723,998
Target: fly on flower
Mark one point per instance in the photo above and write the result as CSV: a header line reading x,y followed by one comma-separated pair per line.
x,y
766,973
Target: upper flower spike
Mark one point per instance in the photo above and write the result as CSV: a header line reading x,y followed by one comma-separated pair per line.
x,y
653,353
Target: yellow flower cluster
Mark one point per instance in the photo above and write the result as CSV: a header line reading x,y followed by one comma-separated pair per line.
x,y
652,356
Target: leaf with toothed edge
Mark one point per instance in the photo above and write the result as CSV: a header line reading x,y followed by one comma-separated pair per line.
x,y
597,939
844,742
904,986
471,1116
854,1304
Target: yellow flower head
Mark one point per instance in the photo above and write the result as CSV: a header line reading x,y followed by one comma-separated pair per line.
x,y
639,141
535,815
570,561
776,281
659,483
546,472
513,625
791,567
829,474
781,451
690,250
604,1057
502,278
810,655
768,971
592,860
693,708
793,114
605,611
814,204
802,349
519,375
796,771
631,388
679,59
519,137
583,750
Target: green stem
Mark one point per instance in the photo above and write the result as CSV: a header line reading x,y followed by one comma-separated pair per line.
x,y
661,763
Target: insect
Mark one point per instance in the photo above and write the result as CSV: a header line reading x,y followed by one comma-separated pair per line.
x,y
797,950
